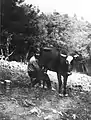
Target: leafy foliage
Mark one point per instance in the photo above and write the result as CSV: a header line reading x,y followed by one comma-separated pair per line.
x,y
27,27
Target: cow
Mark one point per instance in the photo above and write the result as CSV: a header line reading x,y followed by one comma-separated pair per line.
x,y
50,58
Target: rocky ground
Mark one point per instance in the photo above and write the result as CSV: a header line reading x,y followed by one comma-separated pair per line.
x,y
19,102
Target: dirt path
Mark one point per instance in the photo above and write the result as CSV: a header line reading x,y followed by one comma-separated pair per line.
x,y
39,104
23,103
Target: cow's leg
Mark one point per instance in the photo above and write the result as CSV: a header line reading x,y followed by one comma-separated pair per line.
x,y
35,82
59,82
43,84
45,78
47,81
31,79
85,68
44,72
65,83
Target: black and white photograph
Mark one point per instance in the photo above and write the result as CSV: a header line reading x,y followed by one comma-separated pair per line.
x,y
45,60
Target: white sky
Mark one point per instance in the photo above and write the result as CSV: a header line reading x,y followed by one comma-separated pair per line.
x,y
82,8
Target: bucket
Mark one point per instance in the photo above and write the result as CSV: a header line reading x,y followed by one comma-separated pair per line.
x,y
7,85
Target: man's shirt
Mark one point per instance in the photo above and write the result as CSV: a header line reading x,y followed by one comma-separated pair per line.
x,y
33,64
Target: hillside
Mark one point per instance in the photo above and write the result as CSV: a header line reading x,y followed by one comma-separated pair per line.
x,y
23,103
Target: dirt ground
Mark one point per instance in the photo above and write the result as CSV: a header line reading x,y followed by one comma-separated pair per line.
x,y
20,102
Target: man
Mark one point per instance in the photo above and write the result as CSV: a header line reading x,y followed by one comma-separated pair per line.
x,y
36,73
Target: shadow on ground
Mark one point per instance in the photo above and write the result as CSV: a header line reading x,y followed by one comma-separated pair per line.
x,y
23,103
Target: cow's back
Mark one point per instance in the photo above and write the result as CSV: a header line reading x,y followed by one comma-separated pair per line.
x,y
50,58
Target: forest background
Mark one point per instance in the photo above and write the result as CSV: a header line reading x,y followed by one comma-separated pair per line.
x,y
24,26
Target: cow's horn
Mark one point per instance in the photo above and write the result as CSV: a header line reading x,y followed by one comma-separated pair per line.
x,y
63,55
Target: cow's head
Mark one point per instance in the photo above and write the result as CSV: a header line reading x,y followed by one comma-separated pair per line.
x,y
69,59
